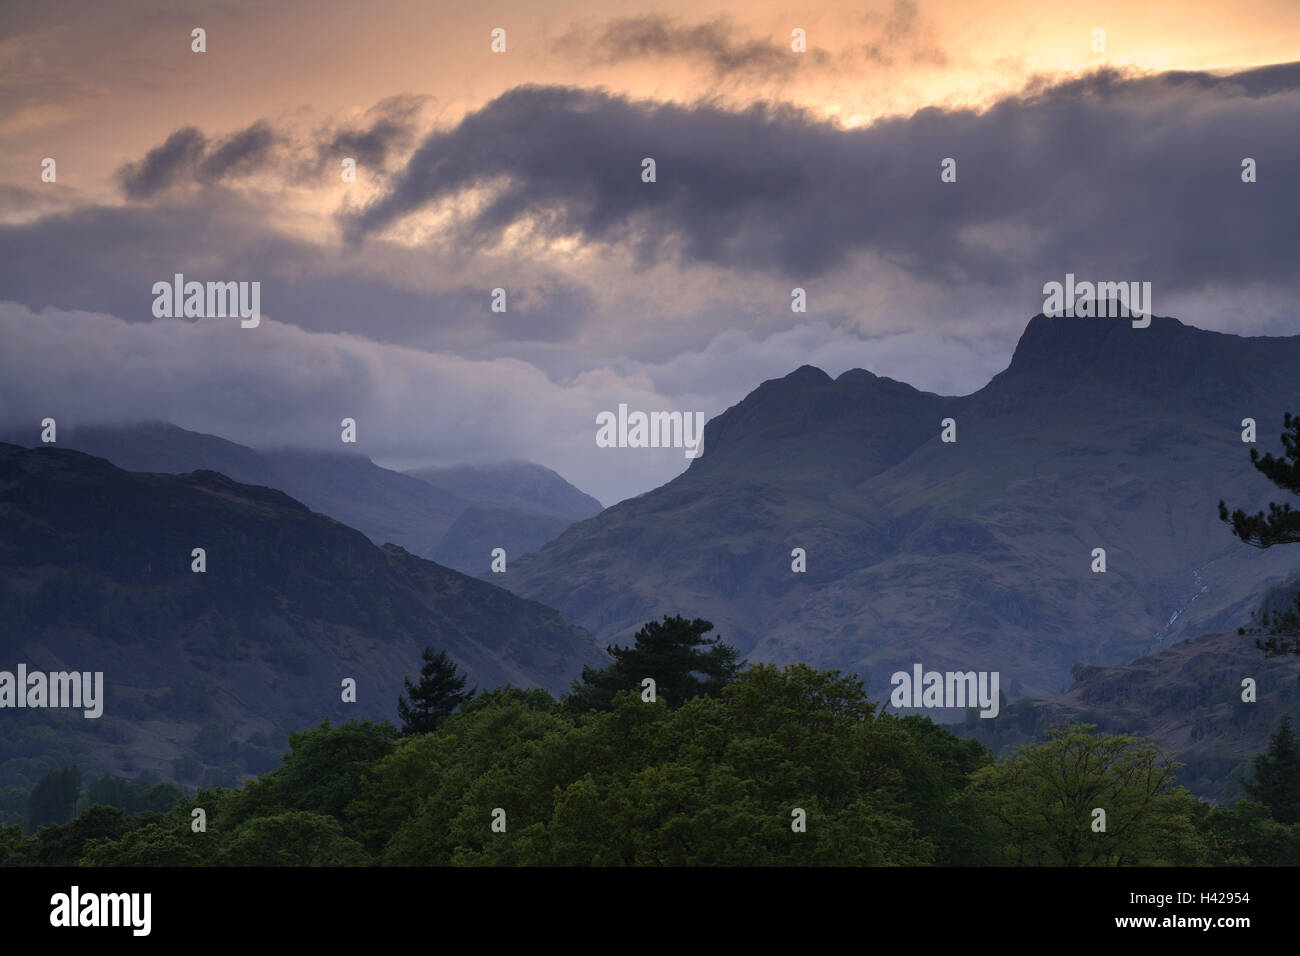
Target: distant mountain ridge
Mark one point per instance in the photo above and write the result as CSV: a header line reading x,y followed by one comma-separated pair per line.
x,y
968,555
513,484
515,505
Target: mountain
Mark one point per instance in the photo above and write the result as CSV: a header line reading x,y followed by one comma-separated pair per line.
x,y
520,485
454,516
970,555
95,575
469,543
1187,698
515,505
385,505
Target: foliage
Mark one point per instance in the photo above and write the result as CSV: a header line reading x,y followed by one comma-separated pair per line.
x,y
779,767
1280,526
1277,775
1041,802
440,691
674,653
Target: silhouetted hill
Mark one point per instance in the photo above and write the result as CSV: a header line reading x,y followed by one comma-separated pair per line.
x,y
95,575
444,514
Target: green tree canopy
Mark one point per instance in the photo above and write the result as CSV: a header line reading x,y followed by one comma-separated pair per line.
x,y
1041,800
319,775
293,838
783,766
673,652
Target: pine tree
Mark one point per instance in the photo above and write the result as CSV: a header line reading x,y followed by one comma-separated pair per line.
x,y
440,691
675,653
1280,526
1277,775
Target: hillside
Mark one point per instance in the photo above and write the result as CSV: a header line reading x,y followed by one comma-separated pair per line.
x,y
454,516
515,505
1187,698
95,575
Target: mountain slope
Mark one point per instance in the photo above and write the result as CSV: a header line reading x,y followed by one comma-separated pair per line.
x,y
515,505
520,485
446,515
1186,697
95,575
470,541
968,555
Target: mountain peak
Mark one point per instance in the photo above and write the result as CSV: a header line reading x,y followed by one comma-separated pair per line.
x,y
807,375
1058,332
855,375
1087,363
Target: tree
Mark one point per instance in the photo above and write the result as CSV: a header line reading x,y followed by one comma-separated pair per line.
x,y
320,774
54,798
154,846
1280,526
62,844
1277,775
293,838
1041,803
1247,835
674,652
440,691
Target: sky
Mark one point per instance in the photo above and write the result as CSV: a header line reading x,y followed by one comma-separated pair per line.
x,y
1101,139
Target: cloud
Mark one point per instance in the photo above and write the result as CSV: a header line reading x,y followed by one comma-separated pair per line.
x,y
188,158
394,294
715,43
240,153
162,167
391,126
1107,176
720,46
279,385
1137,177
902,31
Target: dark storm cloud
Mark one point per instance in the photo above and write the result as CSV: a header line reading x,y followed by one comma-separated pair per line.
x,y
1138,176
369,147
389,124
186,158
241,153
122,250
715,43
165,165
